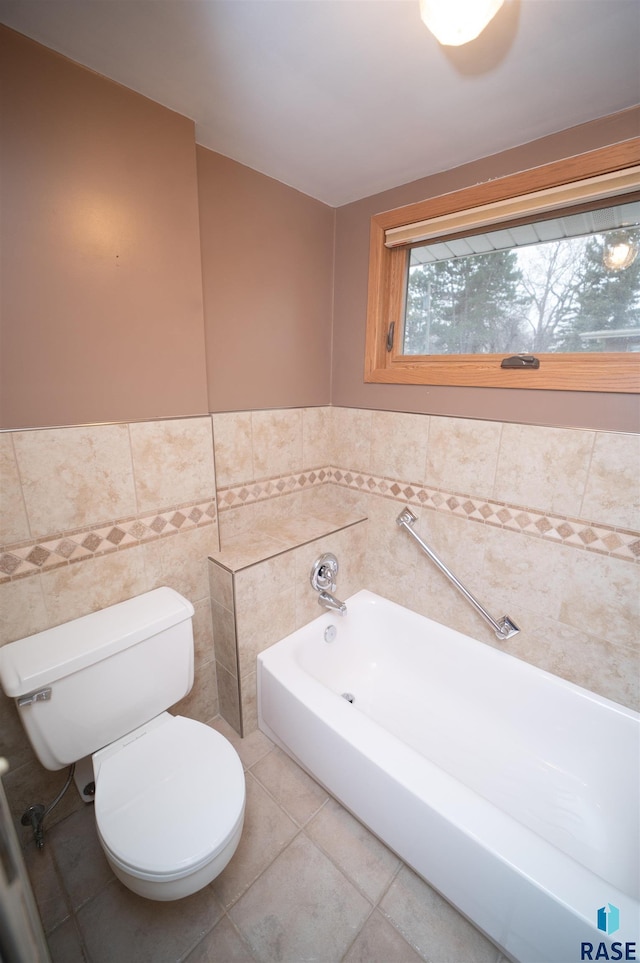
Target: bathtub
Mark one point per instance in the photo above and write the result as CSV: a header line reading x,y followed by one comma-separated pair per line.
x,y
513,793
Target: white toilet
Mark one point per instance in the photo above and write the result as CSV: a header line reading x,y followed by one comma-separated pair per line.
x,y
169,791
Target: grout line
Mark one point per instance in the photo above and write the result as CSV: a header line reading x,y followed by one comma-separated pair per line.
x,y
587,474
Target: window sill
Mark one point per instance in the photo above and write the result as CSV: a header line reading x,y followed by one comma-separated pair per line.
x,y
567,372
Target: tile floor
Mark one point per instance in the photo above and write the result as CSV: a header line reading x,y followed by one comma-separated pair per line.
x,y
307,883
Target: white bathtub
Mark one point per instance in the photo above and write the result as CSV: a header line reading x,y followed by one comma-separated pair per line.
x,y
512,792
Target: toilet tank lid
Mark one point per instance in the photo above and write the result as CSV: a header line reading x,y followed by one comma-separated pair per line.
x,y
43,658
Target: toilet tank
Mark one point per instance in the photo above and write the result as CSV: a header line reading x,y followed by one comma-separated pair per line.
x,y
83,684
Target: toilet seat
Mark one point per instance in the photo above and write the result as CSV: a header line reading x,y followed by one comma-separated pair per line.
x,y
169,798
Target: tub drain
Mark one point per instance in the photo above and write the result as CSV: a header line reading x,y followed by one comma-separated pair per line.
x,y
349,696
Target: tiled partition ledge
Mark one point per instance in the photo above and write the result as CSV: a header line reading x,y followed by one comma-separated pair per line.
x,y
260,592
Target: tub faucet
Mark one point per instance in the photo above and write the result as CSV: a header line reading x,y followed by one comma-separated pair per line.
x,y
323,580
330,602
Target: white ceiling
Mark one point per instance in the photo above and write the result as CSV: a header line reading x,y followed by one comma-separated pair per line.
x,y
344,98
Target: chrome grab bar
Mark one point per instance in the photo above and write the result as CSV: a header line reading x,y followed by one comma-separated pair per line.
x,y
504,627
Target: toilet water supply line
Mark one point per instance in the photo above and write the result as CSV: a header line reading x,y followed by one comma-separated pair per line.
x,y
504,628
34,815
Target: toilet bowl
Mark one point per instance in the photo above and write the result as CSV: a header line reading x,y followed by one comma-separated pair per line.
x,y
169,806
169,791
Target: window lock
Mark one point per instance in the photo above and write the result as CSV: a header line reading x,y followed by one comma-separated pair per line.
x,y
520,361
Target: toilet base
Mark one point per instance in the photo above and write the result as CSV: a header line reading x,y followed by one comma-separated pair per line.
x,y
172,889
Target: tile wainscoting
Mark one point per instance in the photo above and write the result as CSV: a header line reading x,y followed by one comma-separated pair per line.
x,y
539,522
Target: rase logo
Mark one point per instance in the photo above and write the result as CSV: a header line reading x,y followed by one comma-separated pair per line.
x,y
608,922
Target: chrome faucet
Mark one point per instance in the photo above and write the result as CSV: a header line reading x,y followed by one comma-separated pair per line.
x,y
330,602
323,580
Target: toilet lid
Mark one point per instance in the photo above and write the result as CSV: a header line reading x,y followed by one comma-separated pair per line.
x,y
168,802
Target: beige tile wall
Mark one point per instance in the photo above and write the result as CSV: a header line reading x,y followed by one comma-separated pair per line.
x,y
270,465
94,515
540,523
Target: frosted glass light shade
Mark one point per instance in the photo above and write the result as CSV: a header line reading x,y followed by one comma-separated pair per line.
x,y
454,22
619,254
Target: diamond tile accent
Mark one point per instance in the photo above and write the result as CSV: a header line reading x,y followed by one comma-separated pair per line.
x,y
612,541
28,559
115,536
38,556
139,531
9,563
588,536
66,548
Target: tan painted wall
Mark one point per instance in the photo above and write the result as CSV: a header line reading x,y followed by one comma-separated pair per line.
x,y
560,408
267,264
101,287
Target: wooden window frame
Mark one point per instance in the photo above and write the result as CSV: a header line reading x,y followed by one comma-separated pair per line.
x,y
612,372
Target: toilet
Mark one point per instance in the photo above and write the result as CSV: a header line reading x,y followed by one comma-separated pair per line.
x,y
169,791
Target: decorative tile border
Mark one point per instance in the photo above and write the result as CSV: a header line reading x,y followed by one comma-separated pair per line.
x,y
574,532
258,491
38,555
29,558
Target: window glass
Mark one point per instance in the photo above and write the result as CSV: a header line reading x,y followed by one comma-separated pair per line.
x,y
562,284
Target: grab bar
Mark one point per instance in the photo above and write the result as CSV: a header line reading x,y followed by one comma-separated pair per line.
x,y
505,628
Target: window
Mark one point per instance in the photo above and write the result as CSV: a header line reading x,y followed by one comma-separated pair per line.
x,y
531,281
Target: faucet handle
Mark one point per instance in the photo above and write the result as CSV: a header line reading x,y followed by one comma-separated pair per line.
x,y
324,573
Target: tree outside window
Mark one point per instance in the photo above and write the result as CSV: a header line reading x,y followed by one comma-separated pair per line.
x,y
552,297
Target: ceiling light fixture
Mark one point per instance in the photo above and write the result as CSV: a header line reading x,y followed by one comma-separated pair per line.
x,y
619,253
454,22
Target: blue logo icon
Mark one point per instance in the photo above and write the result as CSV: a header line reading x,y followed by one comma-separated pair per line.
x,y
609,921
